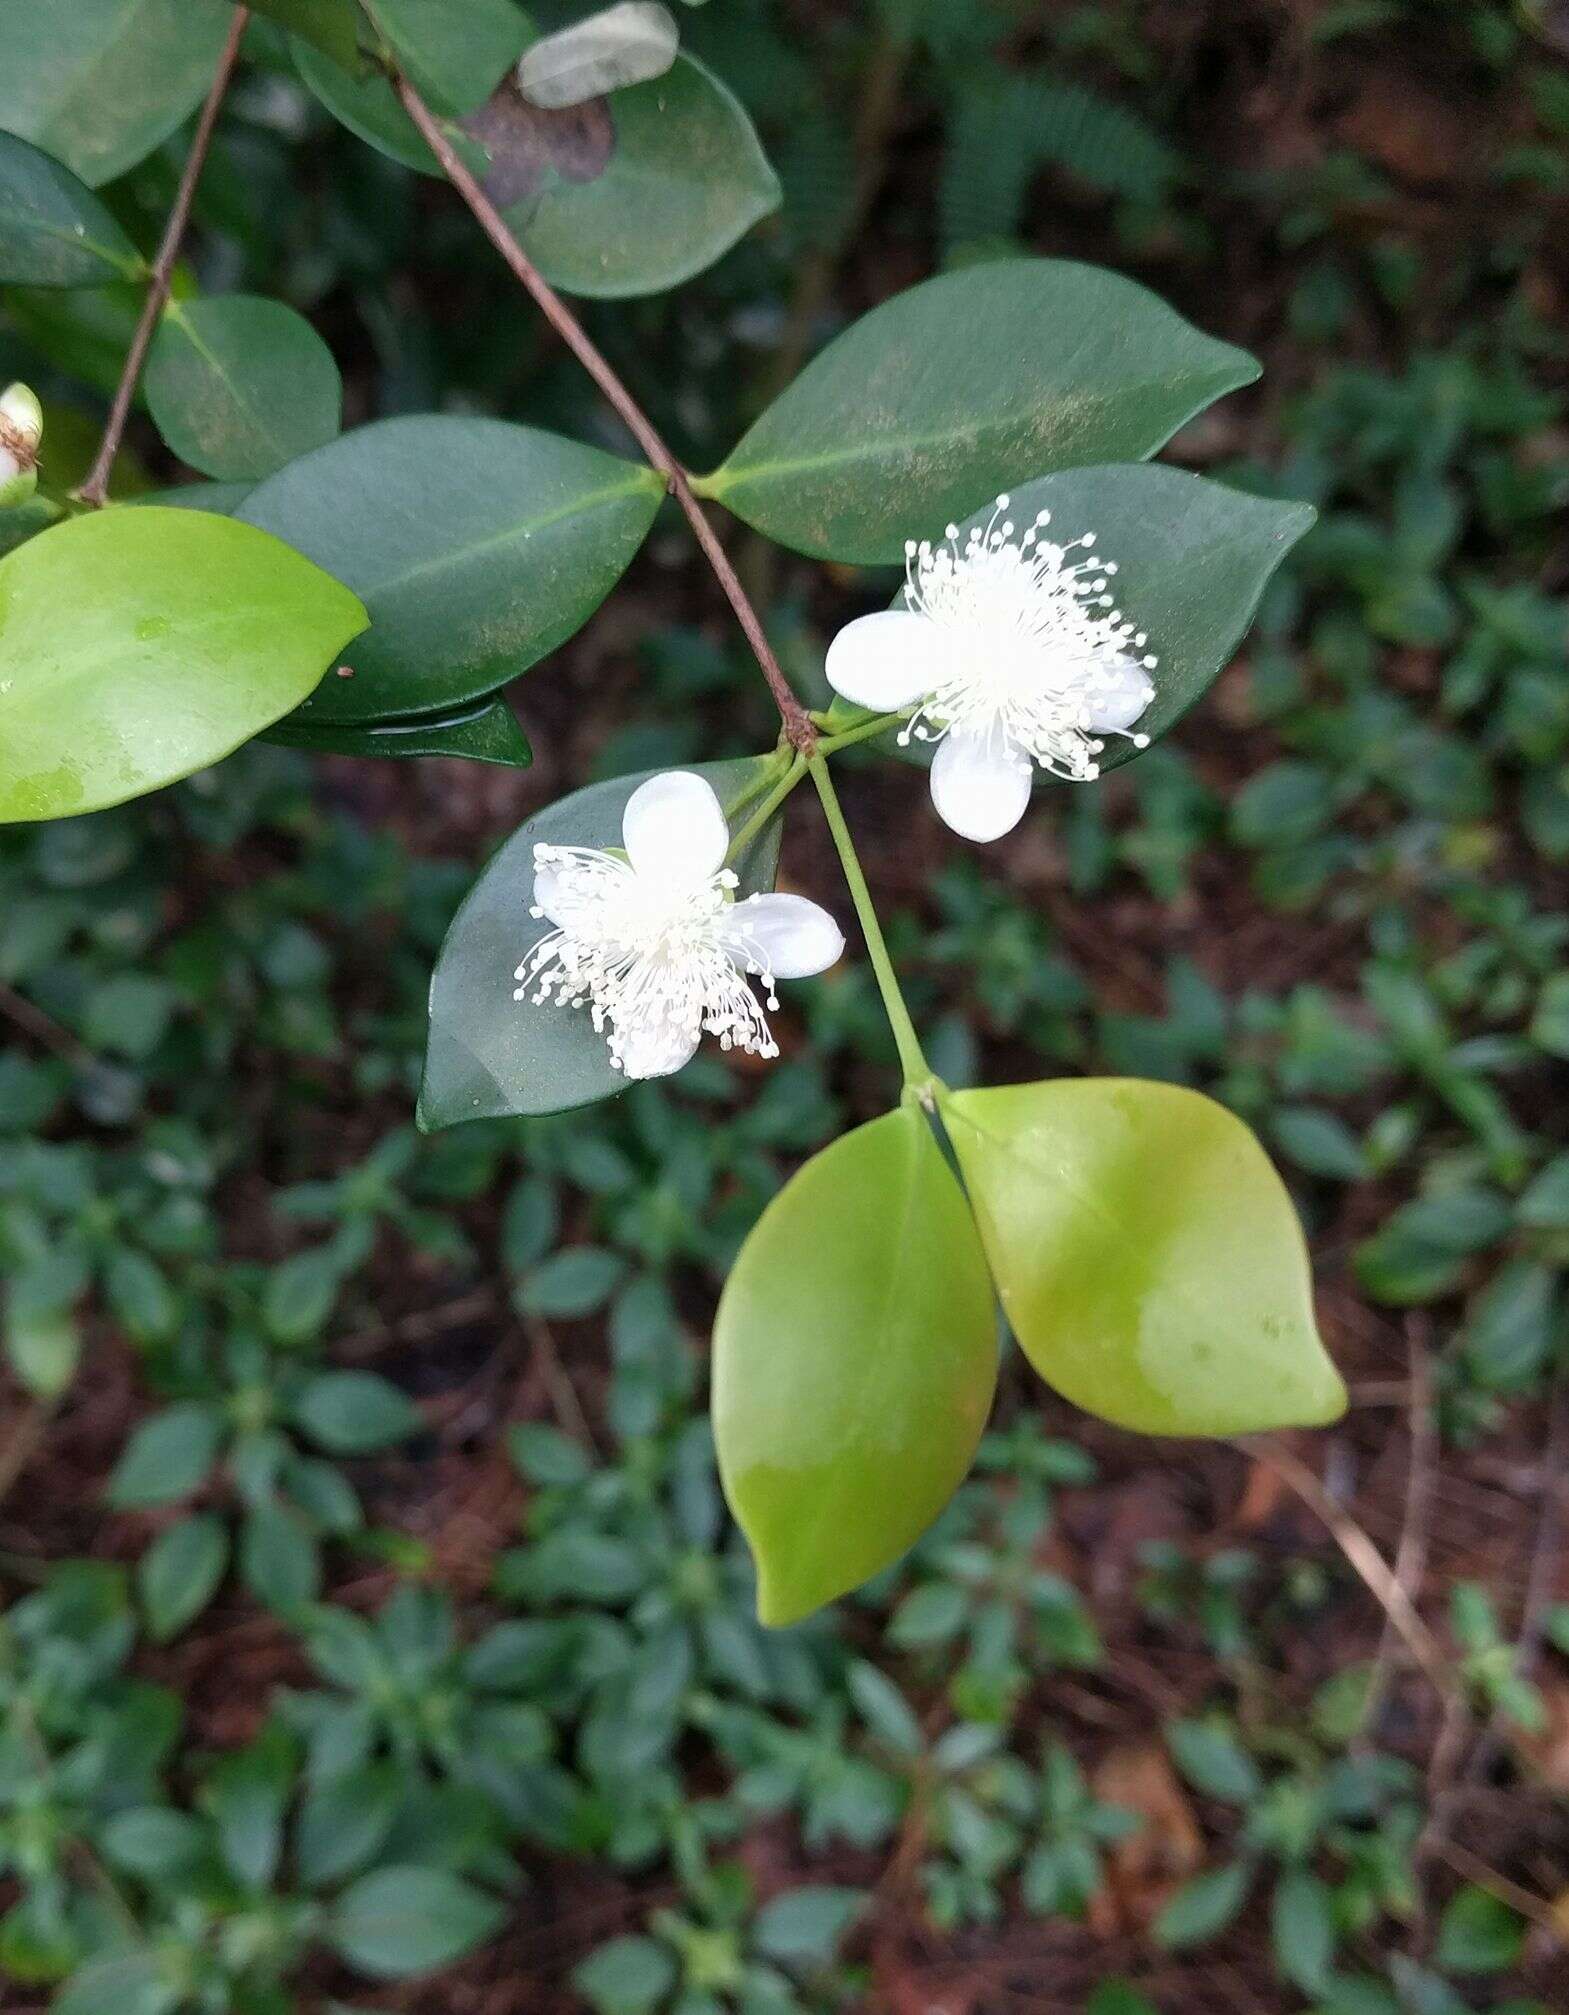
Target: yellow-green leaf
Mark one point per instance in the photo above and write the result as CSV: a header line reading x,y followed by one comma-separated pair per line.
x,y
855,1355
1146,1253
139,645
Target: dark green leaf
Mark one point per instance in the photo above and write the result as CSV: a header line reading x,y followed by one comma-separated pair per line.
x,y
453,51
239,385
628,1976
54,232
336,27
628,194
961,387
477,547
486,733
99,83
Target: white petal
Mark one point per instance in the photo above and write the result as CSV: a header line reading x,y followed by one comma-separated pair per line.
x,y
673,828
1126,693
547,893
979,786
656,1051
889,660
796,937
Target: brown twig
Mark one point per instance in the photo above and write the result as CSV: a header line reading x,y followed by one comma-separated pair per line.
x,y
1364,1557
1411,1553
797,725
95,490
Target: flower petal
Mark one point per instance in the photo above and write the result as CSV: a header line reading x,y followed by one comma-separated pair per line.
x,y
673,828
548,894
655,1051
889,660
1122,692
979,785
795,937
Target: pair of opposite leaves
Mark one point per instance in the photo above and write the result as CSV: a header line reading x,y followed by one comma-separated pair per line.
x,y
1147,1257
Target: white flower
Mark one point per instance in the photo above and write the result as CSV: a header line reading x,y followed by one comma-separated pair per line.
x,y
655,944
1011,653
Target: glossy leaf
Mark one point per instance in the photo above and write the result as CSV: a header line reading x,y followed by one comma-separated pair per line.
x,y
963,386
453,51
139,645
1147,1255
99,83
476,546
54,232
632,193
489,1055
487,733
1193,559
855,1356
239,385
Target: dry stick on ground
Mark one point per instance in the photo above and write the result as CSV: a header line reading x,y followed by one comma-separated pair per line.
x,y
797,725
96,488
44,1029
1411,1553
1447,1777
1364,1556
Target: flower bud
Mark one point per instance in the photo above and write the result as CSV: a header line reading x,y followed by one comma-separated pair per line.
x,y
21,435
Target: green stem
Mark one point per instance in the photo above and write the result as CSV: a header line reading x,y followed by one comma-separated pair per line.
x,y
876,724
765,811
918,1072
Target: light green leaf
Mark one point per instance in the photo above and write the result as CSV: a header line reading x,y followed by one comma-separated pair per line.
x,y
1303,1930
453,51
489,1055
1147,1255
399,1921
240,385
477,547
54,232
961,387
99,83
855,1355
139,645
628,194
486,733
179,1573
1478,1934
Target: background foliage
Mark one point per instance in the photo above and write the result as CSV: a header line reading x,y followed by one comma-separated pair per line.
x,y
412,1636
